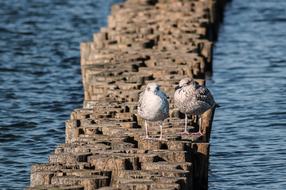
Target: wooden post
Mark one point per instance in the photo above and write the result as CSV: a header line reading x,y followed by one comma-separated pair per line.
x,y
207,119
200,160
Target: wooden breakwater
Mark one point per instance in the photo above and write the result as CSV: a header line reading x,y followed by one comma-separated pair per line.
x,y
145,41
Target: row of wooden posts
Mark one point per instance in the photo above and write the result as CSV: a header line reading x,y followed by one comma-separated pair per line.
x,y
145,41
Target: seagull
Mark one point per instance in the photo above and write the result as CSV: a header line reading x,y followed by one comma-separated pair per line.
x,y
192,98
153,106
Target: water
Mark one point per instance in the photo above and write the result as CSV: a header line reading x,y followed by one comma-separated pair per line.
x,y
40,81
249,134
40,84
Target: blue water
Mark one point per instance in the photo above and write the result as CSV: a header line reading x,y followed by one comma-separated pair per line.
x,y
40,84
40,81
249,134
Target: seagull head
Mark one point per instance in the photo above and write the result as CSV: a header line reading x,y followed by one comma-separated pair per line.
x,y
152,87
186,82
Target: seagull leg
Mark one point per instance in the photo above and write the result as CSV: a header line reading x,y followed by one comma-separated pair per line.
x,y
186,124
146,130
161,132
185,132
199,133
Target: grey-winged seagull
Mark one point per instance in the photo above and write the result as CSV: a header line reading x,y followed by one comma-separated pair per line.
x,y
153,106
192,98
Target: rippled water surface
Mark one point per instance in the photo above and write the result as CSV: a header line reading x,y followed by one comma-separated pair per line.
x,y
40,82
249,133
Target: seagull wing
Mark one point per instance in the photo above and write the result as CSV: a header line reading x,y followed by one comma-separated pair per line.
x,y
165,103
204,95
140,100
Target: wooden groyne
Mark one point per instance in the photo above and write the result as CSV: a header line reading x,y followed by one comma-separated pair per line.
x,y
145,41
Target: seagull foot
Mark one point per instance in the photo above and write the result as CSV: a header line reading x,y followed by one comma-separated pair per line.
x,y
161,139
198,134
155,139
184,133
148,138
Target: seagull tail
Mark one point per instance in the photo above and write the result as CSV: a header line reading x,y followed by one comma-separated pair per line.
x,y
217,105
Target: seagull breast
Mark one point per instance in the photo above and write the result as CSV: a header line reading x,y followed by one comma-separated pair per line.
x,y
153,106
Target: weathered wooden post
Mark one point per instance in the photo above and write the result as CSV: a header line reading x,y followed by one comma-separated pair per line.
x,y
145,41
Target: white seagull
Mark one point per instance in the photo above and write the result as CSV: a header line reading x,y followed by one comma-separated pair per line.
x,y
153,106
192,98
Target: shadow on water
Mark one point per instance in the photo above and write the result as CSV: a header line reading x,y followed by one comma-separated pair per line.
x,y
40,81
249,132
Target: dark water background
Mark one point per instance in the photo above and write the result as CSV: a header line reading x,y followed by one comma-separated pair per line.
x,y
248,145
40,84
40,81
